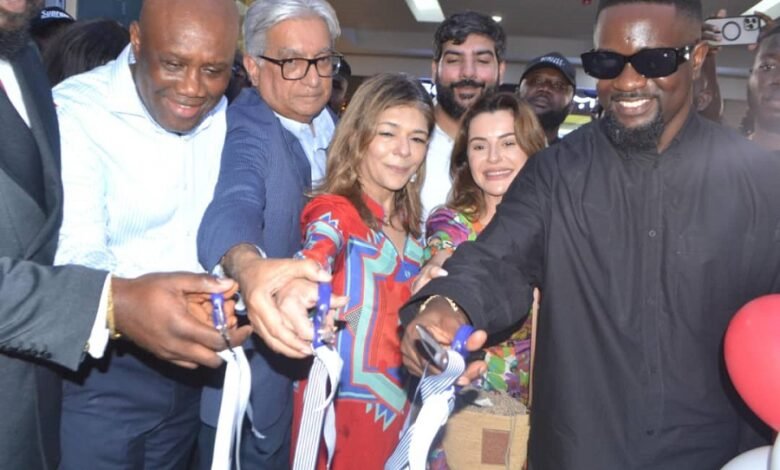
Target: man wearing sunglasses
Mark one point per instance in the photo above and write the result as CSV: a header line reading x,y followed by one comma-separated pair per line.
x,y
278,131
645,232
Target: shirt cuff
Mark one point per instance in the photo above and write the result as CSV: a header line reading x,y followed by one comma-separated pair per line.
x,y
220,272
98,337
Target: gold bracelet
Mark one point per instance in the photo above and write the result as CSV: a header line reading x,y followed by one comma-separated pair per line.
x,y
110,321
452,303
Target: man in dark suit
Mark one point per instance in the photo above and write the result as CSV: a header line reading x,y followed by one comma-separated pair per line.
x,y
53,317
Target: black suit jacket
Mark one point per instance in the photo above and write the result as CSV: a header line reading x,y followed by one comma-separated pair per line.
x,y
46,313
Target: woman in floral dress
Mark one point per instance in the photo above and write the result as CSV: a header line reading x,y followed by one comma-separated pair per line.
x,y
497,136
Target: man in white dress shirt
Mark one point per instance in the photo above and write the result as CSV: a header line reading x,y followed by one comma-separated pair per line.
x,y
468,61
141,142
51,318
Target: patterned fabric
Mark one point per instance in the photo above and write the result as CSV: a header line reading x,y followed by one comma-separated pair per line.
x,y
447,229
372,399
508,362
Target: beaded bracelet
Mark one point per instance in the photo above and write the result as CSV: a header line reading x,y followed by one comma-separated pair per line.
x,y
452,303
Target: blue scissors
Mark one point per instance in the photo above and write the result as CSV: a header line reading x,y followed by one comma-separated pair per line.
x,y
321,336
436,352
218,317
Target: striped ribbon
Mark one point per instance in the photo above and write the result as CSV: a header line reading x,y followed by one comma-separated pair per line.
x,y
317,403
235,397
318,407
438,400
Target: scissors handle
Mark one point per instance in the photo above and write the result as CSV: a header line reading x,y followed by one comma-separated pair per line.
x,y
459,341
218,311
324,290
218,317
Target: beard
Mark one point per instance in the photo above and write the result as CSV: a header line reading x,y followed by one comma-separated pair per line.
x,y
638,139
553,118
445,96
14,32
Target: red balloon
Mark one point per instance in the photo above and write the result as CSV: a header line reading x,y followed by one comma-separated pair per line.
x,y
752,349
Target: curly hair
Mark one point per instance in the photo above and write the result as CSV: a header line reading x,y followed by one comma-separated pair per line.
x,y
457,27
354,134
466,197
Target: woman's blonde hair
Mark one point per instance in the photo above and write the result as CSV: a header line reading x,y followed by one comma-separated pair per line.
x,y
354,134
466,197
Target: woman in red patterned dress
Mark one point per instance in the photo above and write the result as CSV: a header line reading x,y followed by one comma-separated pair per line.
x,y
363,225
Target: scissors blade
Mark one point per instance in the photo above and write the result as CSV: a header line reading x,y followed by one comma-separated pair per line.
x,y
435,351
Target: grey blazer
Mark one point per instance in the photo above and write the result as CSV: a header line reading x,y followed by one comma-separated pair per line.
x,y
46,313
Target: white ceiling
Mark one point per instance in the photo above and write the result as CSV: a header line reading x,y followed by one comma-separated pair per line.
x,y
386,29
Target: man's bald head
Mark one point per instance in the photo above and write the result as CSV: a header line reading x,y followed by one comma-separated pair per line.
x,y
156,11
184,52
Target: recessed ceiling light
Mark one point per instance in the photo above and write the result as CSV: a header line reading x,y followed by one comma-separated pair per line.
x,y
426,11
497,18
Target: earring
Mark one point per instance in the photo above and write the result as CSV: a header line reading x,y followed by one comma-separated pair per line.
x,y
413,178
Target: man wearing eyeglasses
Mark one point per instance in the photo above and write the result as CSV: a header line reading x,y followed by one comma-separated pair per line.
x,y
277,136
548,84
645,232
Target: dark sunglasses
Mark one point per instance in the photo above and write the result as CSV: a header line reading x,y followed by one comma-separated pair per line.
x,y
650,63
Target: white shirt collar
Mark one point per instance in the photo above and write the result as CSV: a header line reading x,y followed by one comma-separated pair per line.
x,y
12,89
314,139
319,130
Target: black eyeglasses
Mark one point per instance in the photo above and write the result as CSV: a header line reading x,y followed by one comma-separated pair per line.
x,y
650,63
295,68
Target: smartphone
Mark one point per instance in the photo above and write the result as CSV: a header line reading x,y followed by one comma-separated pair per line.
x,y
736,30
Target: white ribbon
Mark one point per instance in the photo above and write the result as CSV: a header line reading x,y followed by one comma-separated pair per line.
x,y
318,405
235,396
438,400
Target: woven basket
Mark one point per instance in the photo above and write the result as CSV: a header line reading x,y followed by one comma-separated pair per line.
x,y
481,441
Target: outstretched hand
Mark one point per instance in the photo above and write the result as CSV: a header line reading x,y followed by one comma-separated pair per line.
x,y
170,315
278,294
282,306
442,322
